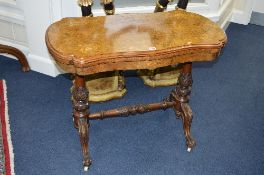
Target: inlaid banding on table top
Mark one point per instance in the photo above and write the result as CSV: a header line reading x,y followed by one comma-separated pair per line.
x,y
84,42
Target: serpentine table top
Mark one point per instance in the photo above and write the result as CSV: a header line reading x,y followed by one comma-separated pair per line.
x,y
133,41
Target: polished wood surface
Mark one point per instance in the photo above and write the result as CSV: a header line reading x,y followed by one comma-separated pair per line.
x,y
163,76
18,54
132,110
133,41
103,86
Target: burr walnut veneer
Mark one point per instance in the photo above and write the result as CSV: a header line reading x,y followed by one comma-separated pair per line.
x,y
84,46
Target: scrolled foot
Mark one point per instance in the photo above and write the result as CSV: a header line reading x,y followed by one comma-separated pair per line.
x,y
25,69
85,168
187,120
86,164
83,128
190,143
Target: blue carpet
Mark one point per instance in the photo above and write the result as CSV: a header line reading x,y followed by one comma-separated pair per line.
x,y
228,125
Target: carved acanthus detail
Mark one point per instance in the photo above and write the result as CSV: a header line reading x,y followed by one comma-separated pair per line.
x,y
80,100
106,1
183,88
133,110
85,3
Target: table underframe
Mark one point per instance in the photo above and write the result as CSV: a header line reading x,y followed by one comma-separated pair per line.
x,y
178,100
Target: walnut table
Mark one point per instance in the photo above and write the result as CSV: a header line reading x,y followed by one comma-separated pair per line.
x,y
84,46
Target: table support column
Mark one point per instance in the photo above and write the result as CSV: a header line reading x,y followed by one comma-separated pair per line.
x,y
181,96
80,115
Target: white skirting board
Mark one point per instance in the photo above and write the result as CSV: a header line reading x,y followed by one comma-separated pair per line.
x,y
37,63
43,65
257,18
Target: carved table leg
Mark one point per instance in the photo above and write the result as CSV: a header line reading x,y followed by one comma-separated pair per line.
x,y
80,115
181,95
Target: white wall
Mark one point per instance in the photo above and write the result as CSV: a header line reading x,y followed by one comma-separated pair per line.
x,y
259,6
242,12
240,4
38,17
39,14
133,3
12,23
